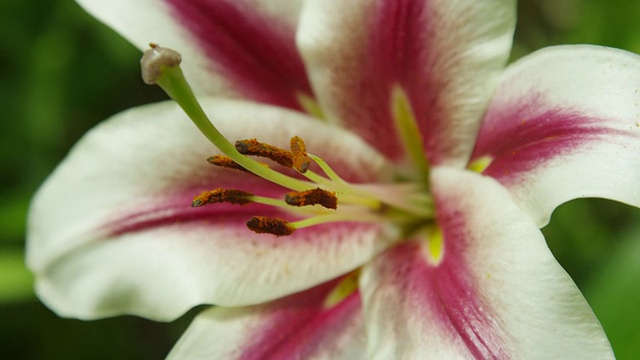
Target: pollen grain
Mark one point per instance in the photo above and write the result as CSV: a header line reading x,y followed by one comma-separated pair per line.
x,y
255,148
267,225
301,160
316,196
231,196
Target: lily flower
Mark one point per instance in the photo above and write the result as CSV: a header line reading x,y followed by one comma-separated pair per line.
x,y
383,198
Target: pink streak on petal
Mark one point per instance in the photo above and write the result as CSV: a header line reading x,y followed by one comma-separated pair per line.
x,y
174,209
522,137
447,290
398,52
180,214
257,53
300,326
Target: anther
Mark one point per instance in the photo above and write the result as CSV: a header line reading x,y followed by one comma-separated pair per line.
x,y
231,196
255,148
301,160
154,60
267,225
225,162
317,196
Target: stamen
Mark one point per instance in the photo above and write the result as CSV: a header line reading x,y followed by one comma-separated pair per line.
x,y
317,196
231,196
225,162
333,176
337,217
255,148
267,225
228,163
299,150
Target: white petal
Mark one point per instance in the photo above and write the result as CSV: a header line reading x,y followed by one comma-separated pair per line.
x,y
232,47
112,230
446,56
296,327
496,293
565,124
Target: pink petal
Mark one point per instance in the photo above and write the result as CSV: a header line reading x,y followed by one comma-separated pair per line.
x,y
296,327
565,124
112,230
232,47
443,54
496,293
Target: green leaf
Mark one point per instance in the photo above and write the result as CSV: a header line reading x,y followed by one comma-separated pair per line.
x,y
614,294
16,282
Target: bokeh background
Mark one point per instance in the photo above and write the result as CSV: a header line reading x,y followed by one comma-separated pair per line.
x,y
62,72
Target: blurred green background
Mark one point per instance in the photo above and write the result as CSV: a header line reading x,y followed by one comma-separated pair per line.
x,y
62,72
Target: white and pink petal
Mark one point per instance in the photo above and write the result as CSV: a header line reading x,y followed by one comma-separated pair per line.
x,y
444,55
229,47
300,326
496,292
112,231
565,124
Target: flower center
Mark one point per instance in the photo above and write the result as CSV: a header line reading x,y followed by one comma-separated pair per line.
x,y
318,203
314,198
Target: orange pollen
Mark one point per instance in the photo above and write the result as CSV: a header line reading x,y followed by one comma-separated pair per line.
x,y
300,159
255,148
267,225
231,196
316,196
225,162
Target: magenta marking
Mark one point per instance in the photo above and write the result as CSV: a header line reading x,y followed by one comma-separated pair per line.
x,y
399,51
522,137
172,207
174,210
299,326
448,290
257,53
178,211
394,50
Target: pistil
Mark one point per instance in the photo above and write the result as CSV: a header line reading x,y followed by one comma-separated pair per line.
x,y
161,66
316,200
